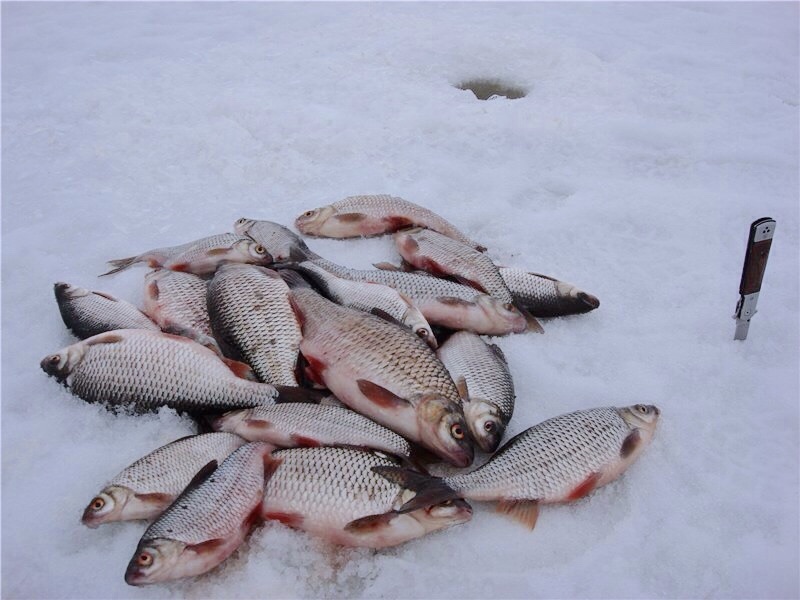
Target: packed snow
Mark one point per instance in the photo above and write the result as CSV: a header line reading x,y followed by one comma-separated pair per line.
x,y
650,137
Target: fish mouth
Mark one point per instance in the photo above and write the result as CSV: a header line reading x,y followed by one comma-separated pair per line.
x,y
591,302
462,457
135,576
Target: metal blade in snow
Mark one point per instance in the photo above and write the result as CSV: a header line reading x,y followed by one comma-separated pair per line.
x,y
755,263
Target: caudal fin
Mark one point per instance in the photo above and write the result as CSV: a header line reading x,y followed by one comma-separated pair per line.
x,y
121,264
287,393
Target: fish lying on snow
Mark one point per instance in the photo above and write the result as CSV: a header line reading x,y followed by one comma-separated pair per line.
x,y
207,522
177,303
544,296
298,424
442,302
358,216
201,257
340,495
88,313
488,400
384,372
144,489
374,298
146,370
560,460
280,242
254,322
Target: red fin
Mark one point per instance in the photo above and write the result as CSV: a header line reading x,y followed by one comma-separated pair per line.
x,y
380,395
386,266
396,222
303,441
452,301
584,488
254,518
104,338
410,245
317,368
290,519
257,423
157,498
350,217
523,511
461,386
152,290
370,524
630,444
206,547
180,267
271,465
240,369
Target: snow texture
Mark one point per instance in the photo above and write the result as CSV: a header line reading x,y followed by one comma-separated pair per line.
x,y
650,137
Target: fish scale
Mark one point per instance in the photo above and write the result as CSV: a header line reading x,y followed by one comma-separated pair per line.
x,y
294,423
551,460
439,254
89,313
148,369
177,303
218,505
490,388
250,313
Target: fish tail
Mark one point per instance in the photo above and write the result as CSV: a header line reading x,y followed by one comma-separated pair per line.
x,y
429,490
121,264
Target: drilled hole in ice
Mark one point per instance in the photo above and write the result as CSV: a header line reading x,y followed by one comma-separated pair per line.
x,y
488,89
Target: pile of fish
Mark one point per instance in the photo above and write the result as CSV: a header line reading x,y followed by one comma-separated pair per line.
x,y
322,393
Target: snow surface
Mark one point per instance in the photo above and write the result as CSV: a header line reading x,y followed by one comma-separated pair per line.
x,y
651,136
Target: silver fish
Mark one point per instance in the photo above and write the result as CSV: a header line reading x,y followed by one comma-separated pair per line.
x,y
560,460
144,489
201,257
281,243
489,395
544,296
298,424
207,522
384,372
340,495
374,298
441,302
253,321
88,313
357,216
146,370
177,303
441,255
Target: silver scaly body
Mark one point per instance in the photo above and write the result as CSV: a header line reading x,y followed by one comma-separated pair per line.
x,y
87,313
544,296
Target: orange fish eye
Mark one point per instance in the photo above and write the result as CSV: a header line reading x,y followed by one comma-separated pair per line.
x,y
145,559
260,250
98,503
456,431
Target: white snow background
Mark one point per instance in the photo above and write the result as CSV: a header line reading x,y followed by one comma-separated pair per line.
x,y
651,136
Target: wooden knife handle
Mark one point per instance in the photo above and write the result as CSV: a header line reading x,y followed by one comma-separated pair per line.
x,y
755,261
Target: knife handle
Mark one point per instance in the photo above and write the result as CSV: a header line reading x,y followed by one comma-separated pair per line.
x,y
755,260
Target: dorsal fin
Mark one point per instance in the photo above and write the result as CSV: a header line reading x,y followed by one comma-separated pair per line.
x,y
386,316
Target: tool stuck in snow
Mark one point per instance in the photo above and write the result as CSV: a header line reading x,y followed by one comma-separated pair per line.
x,y
755,262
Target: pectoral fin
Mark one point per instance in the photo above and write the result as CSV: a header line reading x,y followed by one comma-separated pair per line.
x,y
370,524
523,511
381,396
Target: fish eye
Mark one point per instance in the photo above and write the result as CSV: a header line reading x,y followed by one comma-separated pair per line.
x,y
642,409
447,503
508,306
54,360
145,559
489,426
98,503
242,220
308,213
422,332
456,431
260,249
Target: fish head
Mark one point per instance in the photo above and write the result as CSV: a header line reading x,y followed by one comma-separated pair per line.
x,y
312,221
253,252
486,423
444,429
66,291
572,300
643,417
106,506
156,560
443,515
242,226
416,322
504,316
61,364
